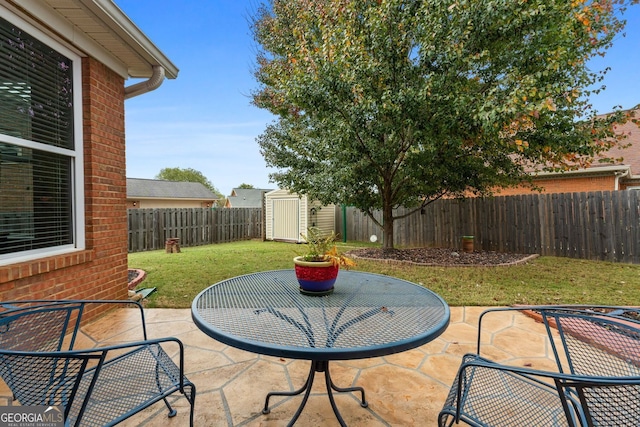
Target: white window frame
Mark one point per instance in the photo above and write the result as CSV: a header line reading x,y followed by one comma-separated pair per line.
x,y
75,154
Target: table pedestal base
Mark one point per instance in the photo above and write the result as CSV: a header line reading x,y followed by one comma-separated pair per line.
x,y
316,366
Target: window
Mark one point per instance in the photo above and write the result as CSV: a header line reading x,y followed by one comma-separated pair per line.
x,y
41,202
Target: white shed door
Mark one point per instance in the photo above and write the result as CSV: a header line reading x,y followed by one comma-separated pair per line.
x,y
285,219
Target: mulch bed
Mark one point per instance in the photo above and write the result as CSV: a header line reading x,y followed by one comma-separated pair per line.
x,y
441,257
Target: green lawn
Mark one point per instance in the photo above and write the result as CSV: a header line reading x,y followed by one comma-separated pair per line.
x,y
546,280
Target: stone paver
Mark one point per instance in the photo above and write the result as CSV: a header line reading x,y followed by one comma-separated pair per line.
x,y
404,389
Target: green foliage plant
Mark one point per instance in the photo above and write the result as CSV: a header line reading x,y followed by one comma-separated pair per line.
x,y
321,247
390,103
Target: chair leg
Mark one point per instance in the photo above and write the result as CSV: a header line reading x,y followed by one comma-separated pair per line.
x,y
191,398
445,419
192,401
172,412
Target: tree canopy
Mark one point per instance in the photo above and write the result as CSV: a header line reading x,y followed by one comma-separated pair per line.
x,y
388,103
188,175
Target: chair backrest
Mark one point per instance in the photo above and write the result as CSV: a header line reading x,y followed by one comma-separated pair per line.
x,y
46,327
595,344
33,362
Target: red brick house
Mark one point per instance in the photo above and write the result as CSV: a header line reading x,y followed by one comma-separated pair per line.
x,y
621,175
63,226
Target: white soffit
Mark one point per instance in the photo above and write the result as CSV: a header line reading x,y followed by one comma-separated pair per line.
x,y
99,29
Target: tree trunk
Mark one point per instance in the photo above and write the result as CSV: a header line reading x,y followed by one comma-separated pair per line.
x,y
387,227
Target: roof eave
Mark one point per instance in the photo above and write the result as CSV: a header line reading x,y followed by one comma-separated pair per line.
x,y
73,25
119,23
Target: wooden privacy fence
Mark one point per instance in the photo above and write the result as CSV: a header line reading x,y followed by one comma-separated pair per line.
x,y
150,228
594,225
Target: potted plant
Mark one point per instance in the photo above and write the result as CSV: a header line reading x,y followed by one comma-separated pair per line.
x,y
467,243
317,270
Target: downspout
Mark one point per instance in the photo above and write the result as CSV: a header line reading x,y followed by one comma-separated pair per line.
x,y
618,175
152,83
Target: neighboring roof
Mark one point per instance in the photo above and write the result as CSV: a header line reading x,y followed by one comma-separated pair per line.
x,y
102,30
159,189
246,197
630,155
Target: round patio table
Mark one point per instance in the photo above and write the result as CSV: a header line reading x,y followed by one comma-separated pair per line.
x,y
367,315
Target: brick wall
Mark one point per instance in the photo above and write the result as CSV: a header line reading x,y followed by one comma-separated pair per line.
x,y
631,183
567,184
100,271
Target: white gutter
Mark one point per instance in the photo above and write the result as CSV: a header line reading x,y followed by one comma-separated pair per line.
x,y
152,83
618,175
623,169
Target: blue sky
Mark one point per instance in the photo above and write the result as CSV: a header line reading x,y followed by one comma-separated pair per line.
x,y
204,119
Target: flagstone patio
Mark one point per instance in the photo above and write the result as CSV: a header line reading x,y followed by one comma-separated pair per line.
x,y
404,389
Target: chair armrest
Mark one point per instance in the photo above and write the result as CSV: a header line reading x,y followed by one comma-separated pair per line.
x,y
18,306
103,352
134,304
471,360
491,311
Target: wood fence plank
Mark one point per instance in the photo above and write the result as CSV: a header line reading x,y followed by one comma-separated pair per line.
x,y
582,224
533,225
607,234
501,219
620,213
570,225
594,222
634,221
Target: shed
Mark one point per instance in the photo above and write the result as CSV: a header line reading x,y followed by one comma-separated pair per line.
x,y
287,215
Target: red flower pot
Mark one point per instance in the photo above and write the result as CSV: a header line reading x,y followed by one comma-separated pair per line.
x,y
315,277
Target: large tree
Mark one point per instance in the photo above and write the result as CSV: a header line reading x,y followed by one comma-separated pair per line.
x,y
188,175
388,103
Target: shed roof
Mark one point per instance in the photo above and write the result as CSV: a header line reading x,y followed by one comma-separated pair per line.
x,y
160,189
246,197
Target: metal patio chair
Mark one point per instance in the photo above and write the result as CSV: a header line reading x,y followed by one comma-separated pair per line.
x,y
95,387
597,382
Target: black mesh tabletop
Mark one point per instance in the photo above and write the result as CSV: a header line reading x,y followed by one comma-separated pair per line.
x,y
367,315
